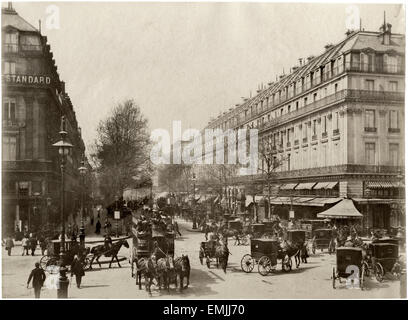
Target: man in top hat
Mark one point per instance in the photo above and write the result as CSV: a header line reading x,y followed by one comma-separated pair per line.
x,y
38,277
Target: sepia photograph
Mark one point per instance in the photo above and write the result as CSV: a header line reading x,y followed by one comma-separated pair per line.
x,y
203,150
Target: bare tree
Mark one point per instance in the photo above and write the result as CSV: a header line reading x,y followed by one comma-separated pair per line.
x,y
122,148
269,165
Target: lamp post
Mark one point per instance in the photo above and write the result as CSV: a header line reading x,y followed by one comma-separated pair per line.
x,y
194,179
400,177
82,170
64,148
48,214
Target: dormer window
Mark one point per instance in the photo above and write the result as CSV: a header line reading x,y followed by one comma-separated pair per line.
x,y
11,42
9,67
30,43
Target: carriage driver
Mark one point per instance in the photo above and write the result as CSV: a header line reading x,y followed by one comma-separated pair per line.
x,y
107,241
157,252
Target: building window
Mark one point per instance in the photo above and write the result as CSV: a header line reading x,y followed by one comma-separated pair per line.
x,y
324,124
314,127
288,108
11,42
30,43
9,67
394,154
370,153
288,157
297,105
369,120
393,120
393,86
305,101
9,148
9,109
369,85
336,121
336,87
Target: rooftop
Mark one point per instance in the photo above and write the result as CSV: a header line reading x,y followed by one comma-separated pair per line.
x,y
10,18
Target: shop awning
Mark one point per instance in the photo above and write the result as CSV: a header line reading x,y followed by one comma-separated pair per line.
x,y
320,185
345,209
288,186
305,186
380,184
331,185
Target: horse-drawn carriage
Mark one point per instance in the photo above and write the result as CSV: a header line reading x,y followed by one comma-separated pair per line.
x,y
52,257
322,239
382,257
350,265
207,252
265,253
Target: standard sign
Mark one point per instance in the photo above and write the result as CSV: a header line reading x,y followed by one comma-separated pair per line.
x,y
26,79
117,214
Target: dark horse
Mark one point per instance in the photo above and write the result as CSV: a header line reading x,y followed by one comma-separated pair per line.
x,y
101,250
222,253
182,270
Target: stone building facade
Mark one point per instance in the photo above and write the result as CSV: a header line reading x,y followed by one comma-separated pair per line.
x,y
34,99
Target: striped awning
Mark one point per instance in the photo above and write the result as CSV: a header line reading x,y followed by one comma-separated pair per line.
x,y
320,185
331,185
380,184
288,186
305,186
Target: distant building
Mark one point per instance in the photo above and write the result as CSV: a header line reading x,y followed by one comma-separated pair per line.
x,y
336,124
34,99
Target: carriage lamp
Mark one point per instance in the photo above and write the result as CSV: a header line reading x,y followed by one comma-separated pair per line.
x,y
82,171
64,148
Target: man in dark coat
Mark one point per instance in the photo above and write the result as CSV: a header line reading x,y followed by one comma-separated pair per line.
x,y
77,269
33,244
38,276
98,227
9,245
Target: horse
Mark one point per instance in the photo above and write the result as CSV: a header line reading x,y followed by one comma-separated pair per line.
x,y
164,272
101,250
182,270
145,267
222,253
290,250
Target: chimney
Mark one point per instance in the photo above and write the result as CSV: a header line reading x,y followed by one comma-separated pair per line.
x,y
300,61
328,46
10,5
294,68
62,83
310,58
348,32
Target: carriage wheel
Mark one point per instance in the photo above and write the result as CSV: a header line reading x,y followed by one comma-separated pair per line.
x,y
379,272
247,263
287,263
366,269
264,266
207,262
44,262
334,278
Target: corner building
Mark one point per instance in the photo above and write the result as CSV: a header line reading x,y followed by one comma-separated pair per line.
x,y
337,123
34,99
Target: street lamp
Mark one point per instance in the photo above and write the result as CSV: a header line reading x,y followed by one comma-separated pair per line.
x,y
64,148
82,171
194,179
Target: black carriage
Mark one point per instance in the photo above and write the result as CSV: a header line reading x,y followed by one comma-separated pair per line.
x,y
349,261
322,239
207,252
382,258
265,253
52,257
235,225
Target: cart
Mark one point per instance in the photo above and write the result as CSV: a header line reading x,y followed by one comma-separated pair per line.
x,y
207,252
383,258
52,257
351,266
296,237
322,239
265,253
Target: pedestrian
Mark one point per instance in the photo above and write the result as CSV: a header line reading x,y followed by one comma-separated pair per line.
x,y
77,269
24,244
38,277
98,227
42,243
32,244
9,245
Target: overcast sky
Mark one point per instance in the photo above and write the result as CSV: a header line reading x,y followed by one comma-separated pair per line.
x,y
185,61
